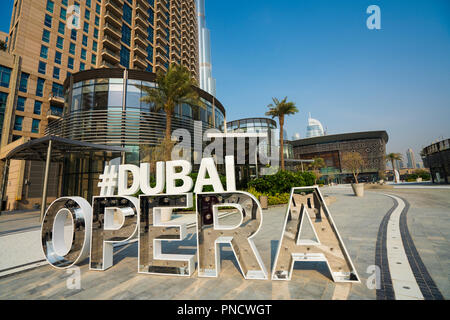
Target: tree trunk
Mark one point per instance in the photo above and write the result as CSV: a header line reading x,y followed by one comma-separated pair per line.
x,y
393,171
282,142
168,135
356,178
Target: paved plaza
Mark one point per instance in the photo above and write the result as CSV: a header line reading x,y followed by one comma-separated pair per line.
x,y
365,224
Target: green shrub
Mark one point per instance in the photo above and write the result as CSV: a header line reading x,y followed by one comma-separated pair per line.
x,y
279,198
282,182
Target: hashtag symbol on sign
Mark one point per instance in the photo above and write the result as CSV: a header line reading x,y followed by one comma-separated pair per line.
x,y
108,181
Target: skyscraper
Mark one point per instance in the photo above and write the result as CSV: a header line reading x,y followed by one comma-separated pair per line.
x,y
51,39
411,159
207,82
314,129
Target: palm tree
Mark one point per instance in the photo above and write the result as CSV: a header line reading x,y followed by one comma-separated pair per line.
x,y
173,88
280,109
392,157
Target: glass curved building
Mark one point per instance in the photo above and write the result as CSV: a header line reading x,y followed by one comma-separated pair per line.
x,y
103,106
314,129
255,125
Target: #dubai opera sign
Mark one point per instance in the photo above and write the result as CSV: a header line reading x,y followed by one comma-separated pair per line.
x,y
95,228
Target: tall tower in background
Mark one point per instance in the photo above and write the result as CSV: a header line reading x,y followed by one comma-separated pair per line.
x,y
314,129
207,82
411,159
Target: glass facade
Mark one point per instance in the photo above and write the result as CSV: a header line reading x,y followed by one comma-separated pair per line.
x,y
255,125
107,94
111,111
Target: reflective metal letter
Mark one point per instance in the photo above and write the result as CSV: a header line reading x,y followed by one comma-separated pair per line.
x,y
211,233
57,253
109,228
152,232
307,206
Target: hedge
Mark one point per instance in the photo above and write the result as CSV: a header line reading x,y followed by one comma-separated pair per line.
x,y
282,182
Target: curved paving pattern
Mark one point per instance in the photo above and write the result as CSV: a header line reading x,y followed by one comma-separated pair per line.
x,y
403,274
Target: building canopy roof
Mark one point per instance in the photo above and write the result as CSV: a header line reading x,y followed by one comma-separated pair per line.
x,y
342,137
37,149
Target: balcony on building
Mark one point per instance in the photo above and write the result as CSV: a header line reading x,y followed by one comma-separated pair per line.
x,y
140,39
142,20
139,50
56,98
142,8
115,6
139,29
115,32
139,62
110,55
111,43
54,113
113,18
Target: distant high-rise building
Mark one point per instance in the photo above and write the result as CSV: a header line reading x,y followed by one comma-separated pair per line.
x,y
314,129
207,82
411,159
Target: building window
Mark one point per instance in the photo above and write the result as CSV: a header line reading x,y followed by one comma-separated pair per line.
x,y
82,66
64,2
61,27
70,63
50,6
94,45
127,13
5,76
3,100
40,87
57,90
150,34
73,34
97,8
125,57
97,21
44,52
86,27
150,53
60,43
42,67
72,48
21,104
56,72
58,57
18,123
57,111
46,36
93,59
23,84
126,35
37,107
63,14
85,40
87,14
48,21
35,126
83,54
95,33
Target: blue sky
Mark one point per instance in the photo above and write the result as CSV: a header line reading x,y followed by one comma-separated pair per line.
x,y
321,55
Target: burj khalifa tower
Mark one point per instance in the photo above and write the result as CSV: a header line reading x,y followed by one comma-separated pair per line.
x,y
207,82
